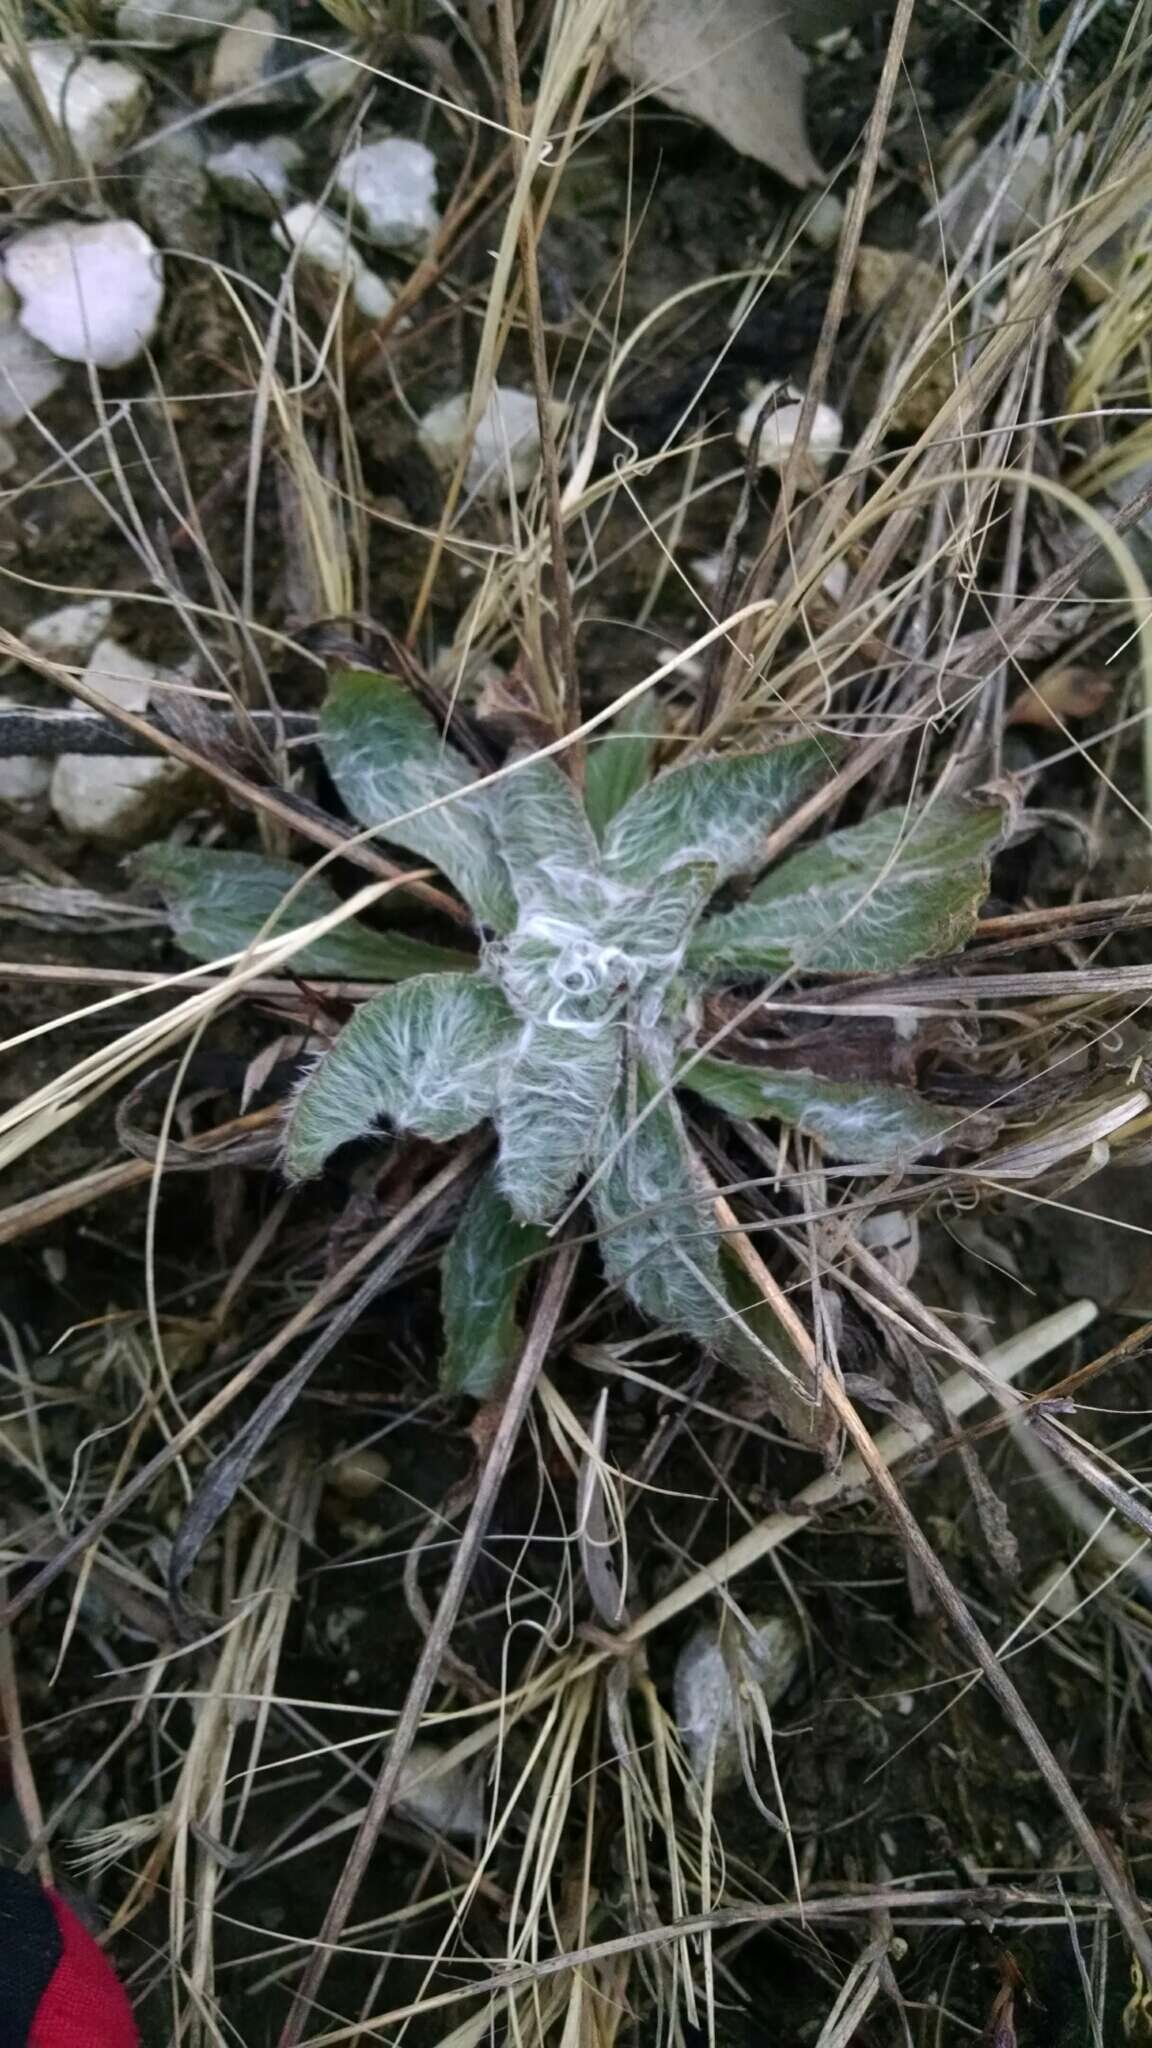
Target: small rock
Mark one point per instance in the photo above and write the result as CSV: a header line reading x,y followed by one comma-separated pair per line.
x,y
24,778
823,221
9,455
1019,210
176,199
323,242
451,1803
331,76
778,433
253,176
505,451
91,294
706,1700
95,105
28,374
168,23
393,185
357,1475
70,634
246,60
111,800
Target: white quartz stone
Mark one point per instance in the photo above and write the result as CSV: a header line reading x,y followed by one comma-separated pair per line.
x,y
254,175
90,292
506,447
323,241
392,184
96,104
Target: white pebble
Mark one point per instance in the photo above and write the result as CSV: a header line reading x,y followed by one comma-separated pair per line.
x,y
91,293
244,61
778,434
331,76
28,374
24,778
117,800
71,633
167,23
95,104
505,451
323,242
393,186
254,175
451,1802
1018,211
823,222
708,1705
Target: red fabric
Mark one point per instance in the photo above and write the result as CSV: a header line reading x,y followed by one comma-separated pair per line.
x,y
85,2005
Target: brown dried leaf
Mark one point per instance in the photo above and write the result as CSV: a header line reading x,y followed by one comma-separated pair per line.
x,y
729,64
1059,695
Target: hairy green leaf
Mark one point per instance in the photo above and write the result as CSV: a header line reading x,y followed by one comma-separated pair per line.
x,y
554,1099
719,810
545,838
483,1271
652,923
873,897
427,1054
873,1123
620,761
658,1236
386,758
220,902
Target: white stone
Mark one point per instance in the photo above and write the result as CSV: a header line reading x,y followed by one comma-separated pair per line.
x,y
393,186
716,1671
331,76
91,293
95,104
451,1802
823,222
1019,209
244,61
505,450
169,22
323,242
71,633
28,374
119,800
254,175
24,778
778,434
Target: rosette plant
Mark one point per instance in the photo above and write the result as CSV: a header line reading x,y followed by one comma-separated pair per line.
x,y
577,1022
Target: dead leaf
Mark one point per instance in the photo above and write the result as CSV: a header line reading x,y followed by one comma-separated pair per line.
x,y
729,64
1062,693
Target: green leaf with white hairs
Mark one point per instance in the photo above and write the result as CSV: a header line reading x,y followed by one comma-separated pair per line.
x,y
718,809
554,1101
658,1235
482,1275
865,900
427,1055
620,761
871,1123
387,759
219,903
653,922
545,838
